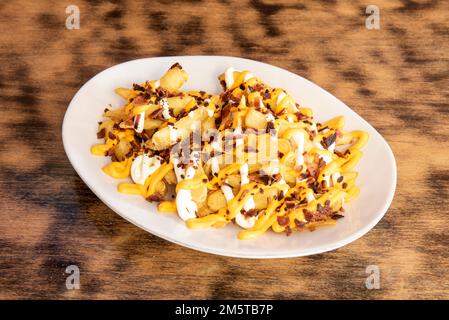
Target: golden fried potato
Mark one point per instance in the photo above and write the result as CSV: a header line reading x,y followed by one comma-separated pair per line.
x,y
216,200
167,136
122,149
125,93
151,124
161,188
170,177
174,78
255,119
117,115
262,199
178,104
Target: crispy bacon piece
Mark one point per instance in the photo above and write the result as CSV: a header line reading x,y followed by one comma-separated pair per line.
x,y
155,197
127,124
327,142
283,220
101,134
176,65
299,224
251,213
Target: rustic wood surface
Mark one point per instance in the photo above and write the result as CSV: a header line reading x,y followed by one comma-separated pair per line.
x,y
395,77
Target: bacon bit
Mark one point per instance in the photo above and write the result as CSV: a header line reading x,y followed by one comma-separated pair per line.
x,y
156,113
138,87
127,124
340,179
308,215
299,224
337,216
283,111
281,195
311,133
258,87
251,213
266,95
129,154
277,177
303,175
338,133
228,123
111,136
110,152
288,230
155,197
283,220
135,146
223,84
338,153
344,185
312,172
327,203
175,94
266,180
300,116
322,129
289,205
321,164
101,134
145,136
161,93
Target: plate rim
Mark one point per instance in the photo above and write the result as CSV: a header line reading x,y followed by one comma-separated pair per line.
x,y
318,250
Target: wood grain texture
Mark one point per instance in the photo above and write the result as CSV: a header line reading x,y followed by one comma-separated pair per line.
x,y
395,77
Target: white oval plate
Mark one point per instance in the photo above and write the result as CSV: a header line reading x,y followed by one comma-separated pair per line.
x,y
377,168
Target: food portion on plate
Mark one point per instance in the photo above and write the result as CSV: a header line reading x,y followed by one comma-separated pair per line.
x,y
251,155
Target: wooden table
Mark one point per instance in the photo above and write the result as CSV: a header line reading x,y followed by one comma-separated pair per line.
x,y
395,77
